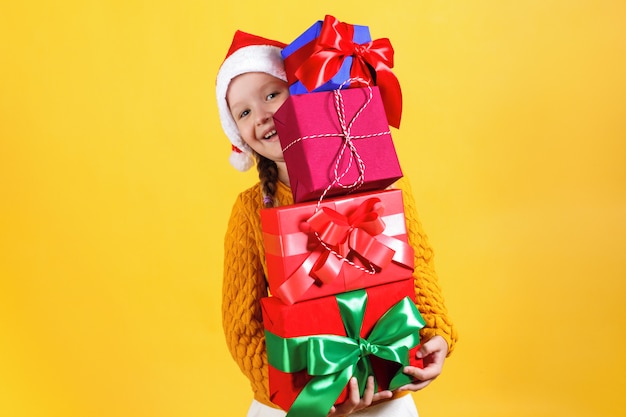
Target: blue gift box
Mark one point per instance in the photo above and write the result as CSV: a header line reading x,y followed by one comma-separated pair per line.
x,y
307,39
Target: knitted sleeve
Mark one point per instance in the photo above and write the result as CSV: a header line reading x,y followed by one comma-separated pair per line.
x,y
243,287
429,298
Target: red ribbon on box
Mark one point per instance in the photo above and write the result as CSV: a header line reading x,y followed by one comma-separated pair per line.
x,y
334,45
355,239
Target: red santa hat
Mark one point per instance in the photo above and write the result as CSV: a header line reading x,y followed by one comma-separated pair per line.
x,y
247,53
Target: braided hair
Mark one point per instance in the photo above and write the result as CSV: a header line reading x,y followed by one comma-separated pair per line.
x,y
268,175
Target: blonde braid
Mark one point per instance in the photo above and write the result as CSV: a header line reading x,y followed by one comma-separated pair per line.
x,y
268,175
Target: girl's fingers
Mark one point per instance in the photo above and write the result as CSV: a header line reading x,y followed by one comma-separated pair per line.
x,y
368,394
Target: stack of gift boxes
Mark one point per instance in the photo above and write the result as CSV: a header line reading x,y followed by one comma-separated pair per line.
x,y
339,264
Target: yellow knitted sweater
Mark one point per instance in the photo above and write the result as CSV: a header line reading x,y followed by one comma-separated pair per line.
x,y
244,283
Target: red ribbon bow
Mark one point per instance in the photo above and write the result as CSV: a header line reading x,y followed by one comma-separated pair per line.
x,y
356,239
341,234
334,45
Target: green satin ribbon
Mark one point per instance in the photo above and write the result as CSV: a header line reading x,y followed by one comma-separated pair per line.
x,y
332,360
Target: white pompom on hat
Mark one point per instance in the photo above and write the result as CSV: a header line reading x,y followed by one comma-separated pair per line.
x,y
247,53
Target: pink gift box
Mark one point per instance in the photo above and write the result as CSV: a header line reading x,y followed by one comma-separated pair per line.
x,y
327,157
367,229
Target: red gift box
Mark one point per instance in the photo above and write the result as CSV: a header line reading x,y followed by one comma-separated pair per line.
x,y
344,244
314,320
336,142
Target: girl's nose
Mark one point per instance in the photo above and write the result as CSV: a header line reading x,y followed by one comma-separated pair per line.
x,y
263,117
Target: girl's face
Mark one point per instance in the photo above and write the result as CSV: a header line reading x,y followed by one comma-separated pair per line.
x,y
253,98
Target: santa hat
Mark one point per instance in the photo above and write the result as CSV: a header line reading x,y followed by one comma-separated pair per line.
x,y
247,53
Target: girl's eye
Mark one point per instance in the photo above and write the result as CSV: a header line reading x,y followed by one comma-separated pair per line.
x,y
244,114
272,95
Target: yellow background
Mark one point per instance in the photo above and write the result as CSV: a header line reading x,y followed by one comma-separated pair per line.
x,y
115,189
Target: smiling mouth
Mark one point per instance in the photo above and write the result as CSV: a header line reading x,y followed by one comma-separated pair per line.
x,y
270,134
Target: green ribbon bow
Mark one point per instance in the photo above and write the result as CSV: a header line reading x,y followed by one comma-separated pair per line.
x,y
332,360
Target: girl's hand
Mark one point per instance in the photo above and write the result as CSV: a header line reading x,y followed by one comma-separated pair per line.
x,y
433,353
356,403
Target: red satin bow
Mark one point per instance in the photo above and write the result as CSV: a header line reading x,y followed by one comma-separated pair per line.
x,y
358,234
350,234
371,62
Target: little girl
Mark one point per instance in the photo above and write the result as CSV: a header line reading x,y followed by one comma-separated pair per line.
x,y
251,85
